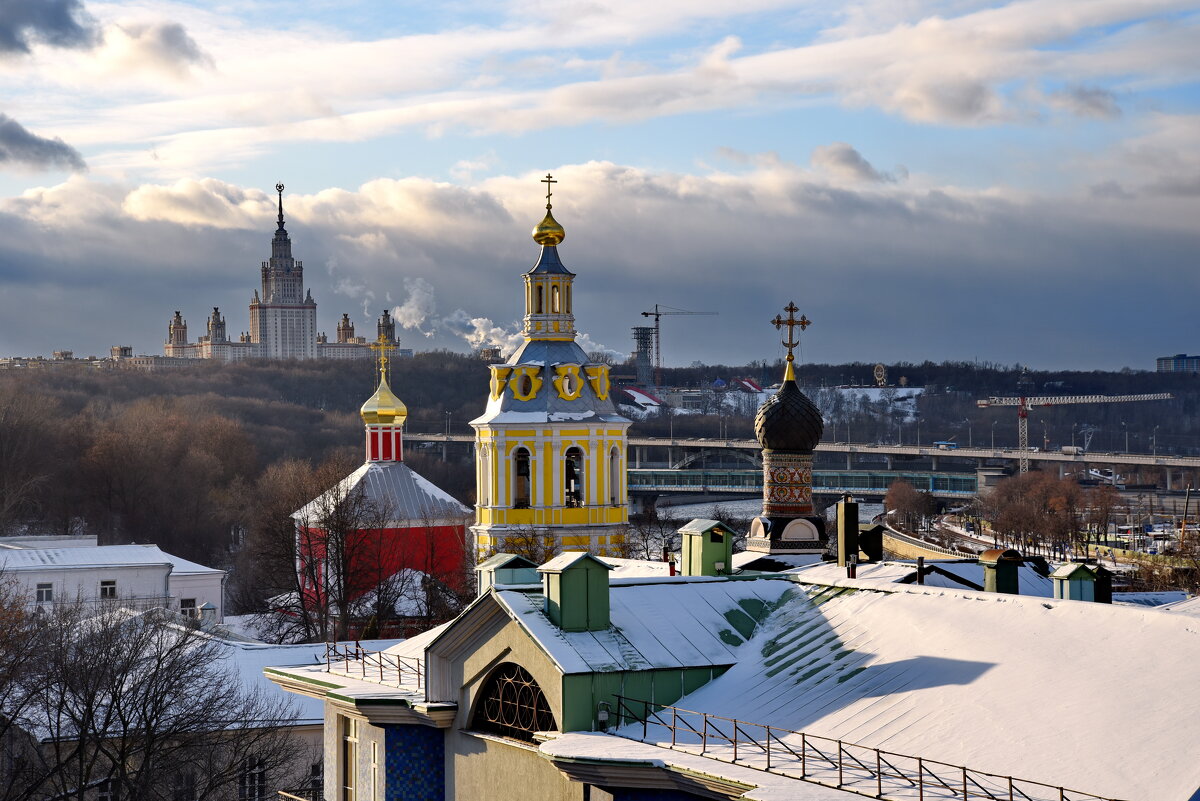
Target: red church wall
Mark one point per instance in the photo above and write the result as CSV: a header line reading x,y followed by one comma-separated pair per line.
x,y
376,554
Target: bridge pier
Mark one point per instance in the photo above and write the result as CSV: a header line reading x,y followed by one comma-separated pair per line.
x,y
933,462
1169,477
891,461
849,460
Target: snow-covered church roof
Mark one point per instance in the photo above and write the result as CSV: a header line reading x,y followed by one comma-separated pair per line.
x,y
407,497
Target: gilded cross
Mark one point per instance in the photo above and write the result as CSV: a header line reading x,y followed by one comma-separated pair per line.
x,y
548,180
382,347
792,323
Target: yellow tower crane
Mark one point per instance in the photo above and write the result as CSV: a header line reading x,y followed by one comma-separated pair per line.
x,y
1024,404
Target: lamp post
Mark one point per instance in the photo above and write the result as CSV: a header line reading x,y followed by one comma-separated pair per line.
x,y
448,414
1154,441
1126,429
994,434
1073,434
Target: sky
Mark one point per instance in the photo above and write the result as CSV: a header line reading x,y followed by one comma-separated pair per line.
x,y
1008,182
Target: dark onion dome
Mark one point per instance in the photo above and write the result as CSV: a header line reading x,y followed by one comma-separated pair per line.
x,y
788,420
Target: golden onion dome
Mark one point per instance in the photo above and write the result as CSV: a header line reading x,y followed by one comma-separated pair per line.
x,y
384,408
548,231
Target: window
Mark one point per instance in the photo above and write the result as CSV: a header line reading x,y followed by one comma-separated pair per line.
x,y
485,478
187,606
614,476
106,791
521,479
573,477
349,732
108,589
554,298
568,298
184,787
512,704
539,306
316,781
252,781
45,593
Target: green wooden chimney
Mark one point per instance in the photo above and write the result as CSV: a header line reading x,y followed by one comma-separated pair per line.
x,y
707,548
1000,570
575,584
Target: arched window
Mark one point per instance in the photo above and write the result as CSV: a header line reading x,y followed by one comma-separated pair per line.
x,y
539,306
521,479
614,476
554,299
511,704
573,478
568,298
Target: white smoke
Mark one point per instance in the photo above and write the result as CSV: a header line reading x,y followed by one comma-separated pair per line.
x,y
417,308
591,346
482,332
350,287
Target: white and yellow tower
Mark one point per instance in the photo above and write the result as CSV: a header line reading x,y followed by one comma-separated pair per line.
x,y
550,449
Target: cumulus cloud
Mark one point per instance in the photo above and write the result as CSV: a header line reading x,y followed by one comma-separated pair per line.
x,y
164,47
841,161
21,148
57,23
206,202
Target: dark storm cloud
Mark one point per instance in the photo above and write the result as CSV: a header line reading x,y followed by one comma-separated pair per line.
x,y
59,23
20,147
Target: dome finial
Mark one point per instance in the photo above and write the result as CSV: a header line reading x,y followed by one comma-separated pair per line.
x,y
383,408
279,188
790,343
548,231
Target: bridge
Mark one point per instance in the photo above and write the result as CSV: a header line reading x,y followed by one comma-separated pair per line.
x,y
863,483
851,449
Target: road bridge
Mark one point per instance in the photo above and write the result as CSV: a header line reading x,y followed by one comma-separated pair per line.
x,y
860,483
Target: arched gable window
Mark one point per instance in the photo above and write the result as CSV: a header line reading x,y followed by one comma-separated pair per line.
x,y
614,476
512,704
573,478
522,484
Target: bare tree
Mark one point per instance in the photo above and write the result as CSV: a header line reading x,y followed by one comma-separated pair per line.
x,y
144,703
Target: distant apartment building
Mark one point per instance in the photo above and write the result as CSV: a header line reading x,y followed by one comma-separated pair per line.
x,y
1179,363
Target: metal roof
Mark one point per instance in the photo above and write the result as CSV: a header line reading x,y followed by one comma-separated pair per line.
x,y
408,497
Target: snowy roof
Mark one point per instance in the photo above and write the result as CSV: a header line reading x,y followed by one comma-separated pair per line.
x,y
407,496
567,558
1191,606
966,574
665,623
49,541
500,560
1012,685
642,397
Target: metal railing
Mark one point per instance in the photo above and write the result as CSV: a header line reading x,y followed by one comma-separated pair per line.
x,y
385,668
827,761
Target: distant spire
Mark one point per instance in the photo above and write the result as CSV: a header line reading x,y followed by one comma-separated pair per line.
x,y
279,188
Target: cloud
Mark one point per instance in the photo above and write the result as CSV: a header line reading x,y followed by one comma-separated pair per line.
x,y
841,161
482,332
1087,101
57,23
164,47
206,202
20,148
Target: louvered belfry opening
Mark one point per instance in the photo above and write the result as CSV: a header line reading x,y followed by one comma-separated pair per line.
x,y
512,704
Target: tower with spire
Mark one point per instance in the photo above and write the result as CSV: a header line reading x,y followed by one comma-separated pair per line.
x,y
788,427
283,319
550,447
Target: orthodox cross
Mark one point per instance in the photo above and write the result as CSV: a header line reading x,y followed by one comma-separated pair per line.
x,y
382,348
792,323
548,180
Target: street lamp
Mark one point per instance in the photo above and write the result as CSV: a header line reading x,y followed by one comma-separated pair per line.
x,y
994,434
447,423
1126,429
1154,440
1073,434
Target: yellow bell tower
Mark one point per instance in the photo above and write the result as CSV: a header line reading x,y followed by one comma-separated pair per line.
x,y
550,448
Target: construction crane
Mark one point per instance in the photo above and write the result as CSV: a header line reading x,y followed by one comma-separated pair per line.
x,y
658,312
1024,404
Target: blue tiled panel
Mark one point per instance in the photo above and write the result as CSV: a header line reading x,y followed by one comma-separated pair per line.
x,y
633,794
416,763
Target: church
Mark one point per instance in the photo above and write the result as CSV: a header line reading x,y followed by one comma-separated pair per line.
x,y
283,319
550,446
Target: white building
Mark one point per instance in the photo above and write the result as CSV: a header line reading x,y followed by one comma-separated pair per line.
x,y
132,576
283,318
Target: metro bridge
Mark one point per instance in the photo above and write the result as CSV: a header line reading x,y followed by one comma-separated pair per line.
x,y
867,483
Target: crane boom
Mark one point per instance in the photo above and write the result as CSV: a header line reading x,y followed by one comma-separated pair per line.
x,y
1024,404
657,315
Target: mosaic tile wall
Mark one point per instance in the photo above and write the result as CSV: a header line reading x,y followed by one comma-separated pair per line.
x,y
415,763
